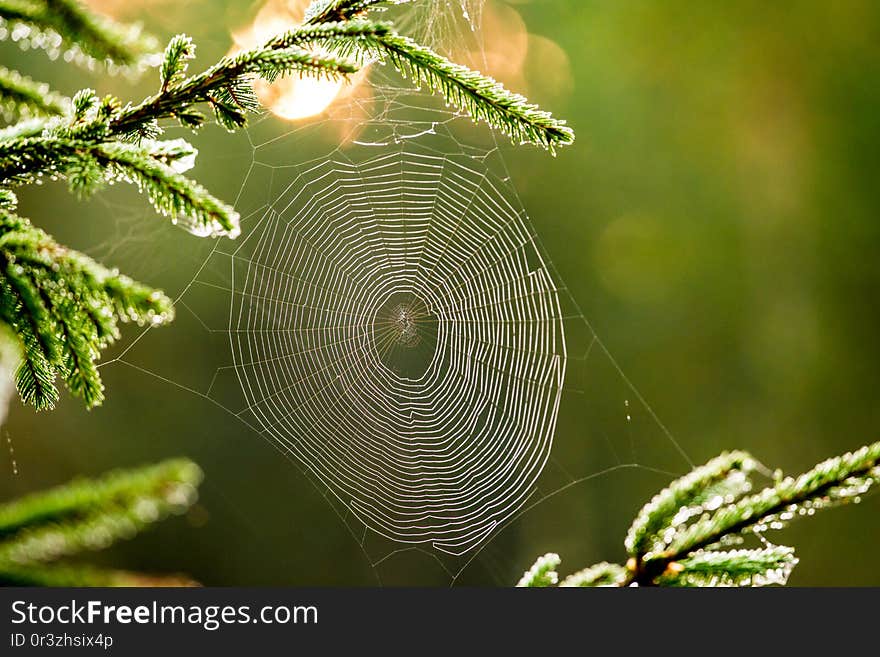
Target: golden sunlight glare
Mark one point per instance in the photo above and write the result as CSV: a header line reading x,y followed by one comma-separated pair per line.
x,y
290,98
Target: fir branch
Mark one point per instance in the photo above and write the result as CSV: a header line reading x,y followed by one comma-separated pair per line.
x,y
170,193
333,33
83,497
178,53
178,154
24,128
478,95
96,531
682,493
330,11
64,308
835,481
87,576
153,168
51,24
602,574
216,86
21,96
89,515
483,98
680,538
771,565
35,375
23,158
542,573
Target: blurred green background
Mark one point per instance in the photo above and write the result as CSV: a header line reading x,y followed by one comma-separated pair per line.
x,y
717,221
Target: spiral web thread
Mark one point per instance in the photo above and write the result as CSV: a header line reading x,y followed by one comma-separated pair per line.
x,y
396,328
440,454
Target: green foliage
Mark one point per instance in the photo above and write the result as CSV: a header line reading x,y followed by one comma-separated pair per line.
x,y
542,573
178,53
82,575
170,193
683,535
225,87
70,150
64,308
328,11
759,567
480,96
690,493
56,24
835,481
344,35
21,96
91,514
602,574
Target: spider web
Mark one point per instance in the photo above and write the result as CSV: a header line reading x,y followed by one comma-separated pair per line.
x,y
393,325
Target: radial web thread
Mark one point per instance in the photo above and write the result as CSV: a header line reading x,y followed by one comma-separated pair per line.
x,y
394,326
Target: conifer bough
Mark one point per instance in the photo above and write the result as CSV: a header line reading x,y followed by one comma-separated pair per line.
x,y
57,25
64,308
21,97
39,531
684,535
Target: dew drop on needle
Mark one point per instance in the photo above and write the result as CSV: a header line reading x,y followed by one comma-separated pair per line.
x,y
11,453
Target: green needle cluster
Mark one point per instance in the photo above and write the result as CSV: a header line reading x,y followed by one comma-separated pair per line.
x,y
693,532
40,532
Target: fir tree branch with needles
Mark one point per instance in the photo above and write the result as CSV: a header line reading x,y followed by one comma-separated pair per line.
x,y
225,86
38,532
692,532
329,11
63,308
22,97
483,98
54,25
